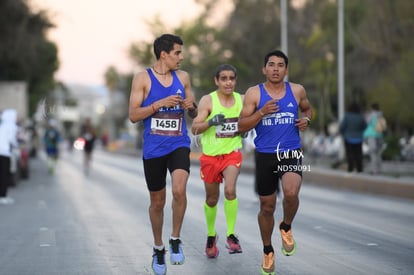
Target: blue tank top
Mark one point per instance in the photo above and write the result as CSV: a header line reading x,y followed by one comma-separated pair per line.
x,y
277,132
166,130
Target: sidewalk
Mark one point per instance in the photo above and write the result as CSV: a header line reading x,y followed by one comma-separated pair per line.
x,y
320,173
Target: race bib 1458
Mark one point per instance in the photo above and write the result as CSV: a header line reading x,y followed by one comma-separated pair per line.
x,y
167,124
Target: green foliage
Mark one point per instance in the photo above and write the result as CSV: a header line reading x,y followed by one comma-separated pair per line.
x,y
393,149
25,52
394,91
112,78
248,38
42,80
202,50
378,51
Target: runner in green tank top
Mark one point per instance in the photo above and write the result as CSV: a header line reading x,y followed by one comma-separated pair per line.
x,y
221,143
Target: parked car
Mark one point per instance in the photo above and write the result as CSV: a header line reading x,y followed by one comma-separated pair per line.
x,y
19,162
14,166
24,160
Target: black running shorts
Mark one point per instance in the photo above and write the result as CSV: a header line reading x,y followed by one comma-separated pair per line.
x,y
270,167
155,169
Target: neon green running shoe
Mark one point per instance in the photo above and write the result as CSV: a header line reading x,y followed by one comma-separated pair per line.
x,y
288,243
268,264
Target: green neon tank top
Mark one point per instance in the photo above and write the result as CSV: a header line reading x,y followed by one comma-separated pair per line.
x,y
223,139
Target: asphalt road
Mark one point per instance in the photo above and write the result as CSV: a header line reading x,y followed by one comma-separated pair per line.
x,y
69,223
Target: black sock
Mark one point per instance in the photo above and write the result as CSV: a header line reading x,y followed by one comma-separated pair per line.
x,y
267,249
284,226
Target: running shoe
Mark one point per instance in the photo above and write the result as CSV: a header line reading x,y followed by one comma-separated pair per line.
x,y
176,252
288,243
158,262
268,264
233,244
212,250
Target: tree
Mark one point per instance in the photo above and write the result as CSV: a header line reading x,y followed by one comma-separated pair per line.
x,y
202,48
119,88
378,51
313,56
25,52
383,49
247,38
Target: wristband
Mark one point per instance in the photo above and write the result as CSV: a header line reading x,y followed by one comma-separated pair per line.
x,y
307,119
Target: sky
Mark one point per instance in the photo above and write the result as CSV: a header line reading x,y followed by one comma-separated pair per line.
x,y
92,35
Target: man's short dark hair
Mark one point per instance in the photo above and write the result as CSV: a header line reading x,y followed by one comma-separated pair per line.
x,y
225,67
277,53
166,43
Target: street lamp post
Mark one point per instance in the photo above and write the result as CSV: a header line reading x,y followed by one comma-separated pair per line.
x,y
340,59
283,27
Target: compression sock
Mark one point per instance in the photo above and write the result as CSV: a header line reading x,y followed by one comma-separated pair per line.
x,y
284,226
210,214
230,210
267,249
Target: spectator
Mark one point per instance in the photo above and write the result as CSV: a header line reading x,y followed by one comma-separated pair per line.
x,y
105,139
8,139
89,135
51,140
352,129
373,134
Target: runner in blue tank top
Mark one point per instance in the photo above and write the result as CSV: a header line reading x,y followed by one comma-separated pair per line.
x,y
159,97
272,108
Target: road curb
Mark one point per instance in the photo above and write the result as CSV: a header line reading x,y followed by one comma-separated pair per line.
x,y
342,180
378,185
336,179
